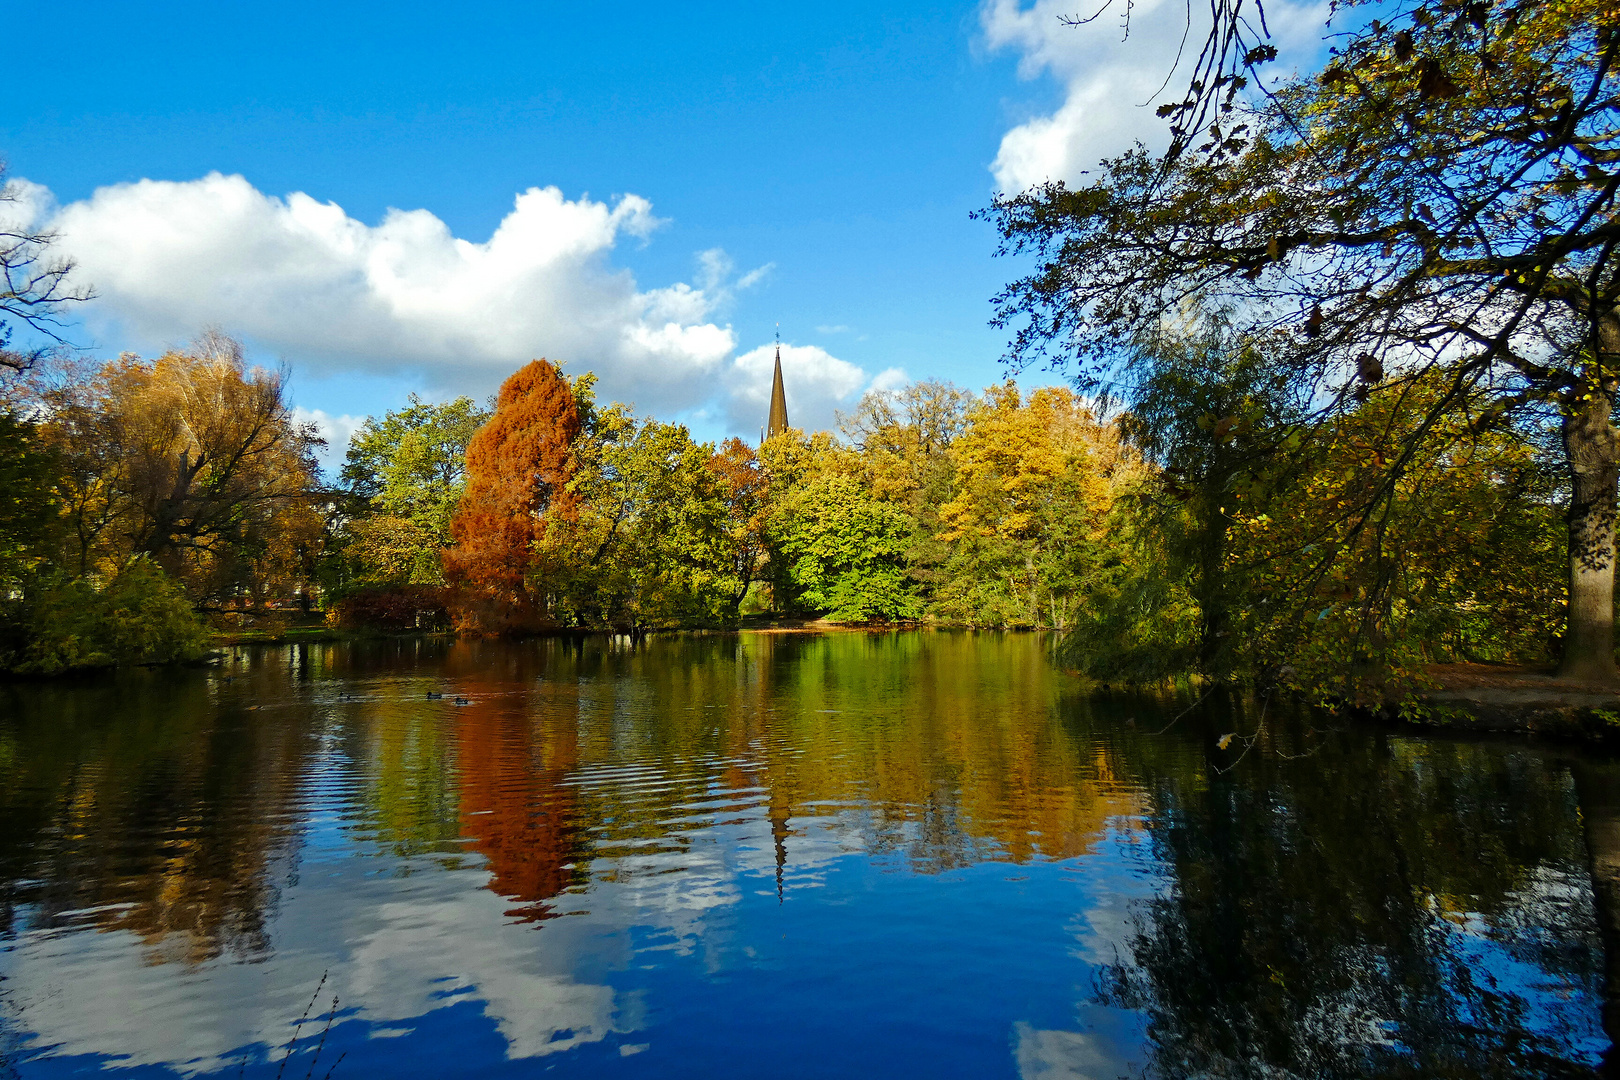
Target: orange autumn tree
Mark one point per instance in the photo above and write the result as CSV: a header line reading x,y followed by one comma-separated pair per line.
x,y
518,468
745,493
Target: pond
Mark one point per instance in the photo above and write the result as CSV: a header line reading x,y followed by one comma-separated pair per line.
x,y
788,855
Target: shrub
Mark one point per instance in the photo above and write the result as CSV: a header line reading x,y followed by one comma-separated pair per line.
x,y
140,617
392,607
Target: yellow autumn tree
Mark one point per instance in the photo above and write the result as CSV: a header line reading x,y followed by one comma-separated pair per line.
x,y
1034,482
193,460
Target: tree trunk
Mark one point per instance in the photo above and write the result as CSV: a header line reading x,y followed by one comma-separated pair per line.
x,y
1592,447
1597,790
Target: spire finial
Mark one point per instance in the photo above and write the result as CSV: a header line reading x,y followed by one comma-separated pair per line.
x,y
777,420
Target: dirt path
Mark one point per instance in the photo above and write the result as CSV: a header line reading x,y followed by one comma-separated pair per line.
x,y
1502,697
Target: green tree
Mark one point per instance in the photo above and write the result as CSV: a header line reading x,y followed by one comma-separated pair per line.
x,y
29,513
650,542
1218,420
405,474
141,616
845,549
412,463
1441,197
904,439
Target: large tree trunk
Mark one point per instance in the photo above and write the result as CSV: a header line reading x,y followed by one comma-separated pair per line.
x,y
1597,789
1593,449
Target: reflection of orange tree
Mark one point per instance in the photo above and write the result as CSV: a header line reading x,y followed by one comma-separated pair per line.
x,y
513,805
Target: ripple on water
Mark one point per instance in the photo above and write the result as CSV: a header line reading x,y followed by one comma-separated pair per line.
x,y
843,855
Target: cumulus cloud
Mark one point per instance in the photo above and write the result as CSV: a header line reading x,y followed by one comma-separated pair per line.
x,y
24,205
304,281
889,379
336,430
1107,76
816,383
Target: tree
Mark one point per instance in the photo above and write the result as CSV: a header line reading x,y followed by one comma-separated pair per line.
x,y
412,463
34,286
28,503
1034,482
1441,196
647,543
745,496
1217,419
409,468
141,616
518,468
904,438
843,549
193,460
1460,563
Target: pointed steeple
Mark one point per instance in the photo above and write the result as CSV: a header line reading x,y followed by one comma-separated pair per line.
x,y
778,421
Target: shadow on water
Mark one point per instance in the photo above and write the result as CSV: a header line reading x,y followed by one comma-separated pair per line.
x,y
846,854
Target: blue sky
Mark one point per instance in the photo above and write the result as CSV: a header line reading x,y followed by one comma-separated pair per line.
x,y
719,168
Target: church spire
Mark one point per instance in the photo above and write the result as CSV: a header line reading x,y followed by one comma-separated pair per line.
x,y
778,421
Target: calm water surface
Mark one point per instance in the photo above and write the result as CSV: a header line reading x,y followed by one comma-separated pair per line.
x,y
772,855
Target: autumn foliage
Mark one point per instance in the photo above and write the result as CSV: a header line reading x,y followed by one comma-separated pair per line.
x,y
518,468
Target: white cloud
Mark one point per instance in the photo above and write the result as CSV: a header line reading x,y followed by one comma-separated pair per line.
x,y
1068,1055
1107,76
336,430
24,204
889,379
715,269
302,280
816,383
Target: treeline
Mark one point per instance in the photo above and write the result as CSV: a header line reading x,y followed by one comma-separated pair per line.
x,y
1203,523
553,510
1212,521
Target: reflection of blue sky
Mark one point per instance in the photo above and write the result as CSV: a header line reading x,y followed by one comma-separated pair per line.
x,y
865,968
1555,1008
676,957
893,951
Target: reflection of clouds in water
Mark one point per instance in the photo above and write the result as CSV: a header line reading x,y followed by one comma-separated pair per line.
x,y
671,896
1103,931
1102,934
397,957
87,993
396,949
1066,1055
423,953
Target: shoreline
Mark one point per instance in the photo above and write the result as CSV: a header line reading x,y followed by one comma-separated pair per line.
x,y
1517,699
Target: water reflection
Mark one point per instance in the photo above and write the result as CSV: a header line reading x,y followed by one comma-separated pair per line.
x,y
1386,908
844,854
